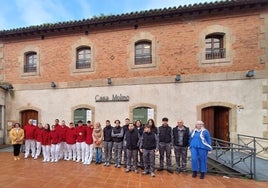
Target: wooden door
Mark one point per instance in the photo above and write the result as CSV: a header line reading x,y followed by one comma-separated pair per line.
x,y
222,123
216,119
208,119
28,114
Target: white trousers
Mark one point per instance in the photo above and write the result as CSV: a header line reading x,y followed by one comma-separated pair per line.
x,y
89,153
46,152
29,144
54,152
71,148
38,149
63,150
81,149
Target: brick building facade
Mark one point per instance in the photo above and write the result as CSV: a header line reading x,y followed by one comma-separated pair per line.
x,y
187,62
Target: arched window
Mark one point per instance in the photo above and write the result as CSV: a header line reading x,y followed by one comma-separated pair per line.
x,y
143,114
83,58
143,52
215,46
30,64
84,114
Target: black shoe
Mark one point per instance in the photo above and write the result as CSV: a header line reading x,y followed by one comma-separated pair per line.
x,y
194,174
170,171
160,169
202,176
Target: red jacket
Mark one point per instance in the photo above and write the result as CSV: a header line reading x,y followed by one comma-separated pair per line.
x,y
89,138
38,134
46,138
29,131
71,136
62,132
54,137
81,134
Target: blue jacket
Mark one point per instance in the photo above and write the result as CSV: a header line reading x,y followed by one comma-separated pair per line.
x,y
200,139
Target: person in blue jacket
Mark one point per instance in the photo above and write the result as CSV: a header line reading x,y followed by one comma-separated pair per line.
x,y
200,146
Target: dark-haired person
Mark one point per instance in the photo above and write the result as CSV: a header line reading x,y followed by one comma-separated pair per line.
x,y
71,137
61,130
149,146
29,135
89,143
165,144
108,143
181,136
125,128
140,128
118,136
152,125
54,138
200,146
16,135
80,141
132,144
46,143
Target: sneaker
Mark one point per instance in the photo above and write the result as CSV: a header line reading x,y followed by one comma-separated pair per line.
x,y
74,159
115,165
152,174
44,160
127,170
35,157
160,169
136,171
52,161
105,164
170,171
118,166
56,160
108,164
25,157
144,172
78,160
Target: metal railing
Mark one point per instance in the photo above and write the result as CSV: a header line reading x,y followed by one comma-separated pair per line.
x,y
238,157
258,143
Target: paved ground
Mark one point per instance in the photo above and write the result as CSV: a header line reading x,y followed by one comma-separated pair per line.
x,y
31,173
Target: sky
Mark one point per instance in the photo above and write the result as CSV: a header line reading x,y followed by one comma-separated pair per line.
x,y
24,13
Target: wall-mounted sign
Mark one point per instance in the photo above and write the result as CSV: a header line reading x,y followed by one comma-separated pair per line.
x,y
113,98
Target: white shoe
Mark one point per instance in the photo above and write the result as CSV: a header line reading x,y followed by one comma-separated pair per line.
x,y
44,160
25,157
52,161
56,160
74,159
35,157
78,160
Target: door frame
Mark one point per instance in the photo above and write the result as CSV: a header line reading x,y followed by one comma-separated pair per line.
x,y
29,108
232,116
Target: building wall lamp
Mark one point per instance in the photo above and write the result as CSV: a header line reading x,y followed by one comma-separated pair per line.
x,y
109,81
53,85
177,78
250,73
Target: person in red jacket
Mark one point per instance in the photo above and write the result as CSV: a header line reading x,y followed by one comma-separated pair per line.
x,y
89,143
71,142
29,133
54,138
46,143
61,130
80,142
38,139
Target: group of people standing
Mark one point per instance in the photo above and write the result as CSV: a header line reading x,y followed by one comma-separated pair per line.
x,y
137,142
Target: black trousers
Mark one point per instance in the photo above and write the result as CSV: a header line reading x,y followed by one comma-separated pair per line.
x,y
16,149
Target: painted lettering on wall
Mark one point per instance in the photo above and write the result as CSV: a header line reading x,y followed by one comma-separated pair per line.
x,y
113,98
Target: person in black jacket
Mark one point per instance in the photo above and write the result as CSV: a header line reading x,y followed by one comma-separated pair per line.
x,y
149,146
132,145
118,137
108,143
181,136
165,144
140,128
125,128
